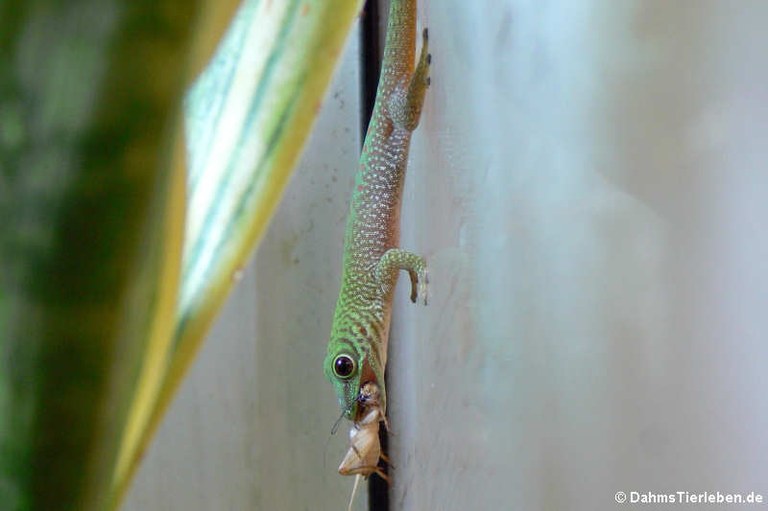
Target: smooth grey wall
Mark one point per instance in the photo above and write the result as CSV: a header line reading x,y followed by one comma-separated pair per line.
x,y
589,185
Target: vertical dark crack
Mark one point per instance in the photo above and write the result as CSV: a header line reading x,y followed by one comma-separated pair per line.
x,y
370,65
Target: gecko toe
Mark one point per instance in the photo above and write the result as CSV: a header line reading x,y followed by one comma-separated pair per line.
x,y
429,58
425,34
424,286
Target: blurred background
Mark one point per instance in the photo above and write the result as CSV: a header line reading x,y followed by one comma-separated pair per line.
x,y
589,187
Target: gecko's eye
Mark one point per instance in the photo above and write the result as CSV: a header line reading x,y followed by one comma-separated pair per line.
x,y
343,366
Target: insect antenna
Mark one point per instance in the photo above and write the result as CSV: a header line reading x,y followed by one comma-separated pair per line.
x,y
335,427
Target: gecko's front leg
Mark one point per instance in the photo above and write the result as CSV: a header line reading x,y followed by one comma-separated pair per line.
x,y
405,103
396,259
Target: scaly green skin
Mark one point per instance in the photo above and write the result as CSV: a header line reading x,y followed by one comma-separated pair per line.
x,y
371,258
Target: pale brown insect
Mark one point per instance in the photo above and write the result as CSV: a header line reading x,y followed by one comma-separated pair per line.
x,y
364,452
362,458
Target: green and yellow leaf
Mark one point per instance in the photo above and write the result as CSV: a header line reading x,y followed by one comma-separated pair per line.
x,y
115,254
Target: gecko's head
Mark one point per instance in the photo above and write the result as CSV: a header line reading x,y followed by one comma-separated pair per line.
x,y
348,369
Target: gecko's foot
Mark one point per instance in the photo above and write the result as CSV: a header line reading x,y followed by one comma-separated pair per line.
x,y
429,63
419,282
419,279
425,39
423,285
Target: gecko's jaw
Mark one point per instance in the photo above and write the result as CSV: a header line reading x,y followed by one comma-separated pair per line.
x,y
352,412
367,376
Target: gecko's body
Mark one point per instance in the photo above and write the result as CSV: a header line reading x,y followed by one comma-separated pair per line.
x,y
357,350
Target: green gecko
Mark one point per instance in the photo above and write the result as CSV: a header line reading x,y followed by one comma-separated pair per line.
x,y
357,351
